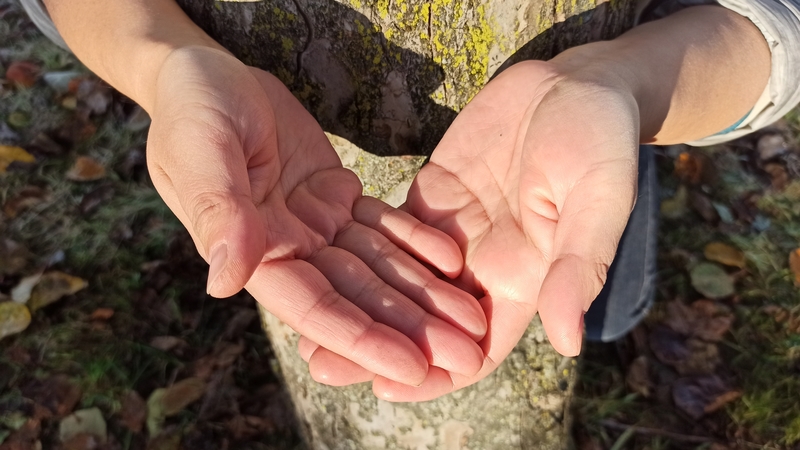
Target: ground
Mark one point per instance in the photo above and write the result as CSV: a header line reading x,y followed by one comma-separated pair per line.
x,y
108,340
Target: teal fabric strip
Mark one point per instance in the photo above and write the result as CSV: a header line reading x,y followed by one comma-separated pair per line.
x,y
733,127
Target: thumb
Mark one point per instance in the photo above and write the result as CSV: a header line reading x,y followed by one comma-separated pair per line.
x,y
587,234
206,184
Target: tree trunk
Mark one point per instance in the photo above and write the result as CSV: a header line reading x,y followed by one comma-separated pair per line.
x,y
386,78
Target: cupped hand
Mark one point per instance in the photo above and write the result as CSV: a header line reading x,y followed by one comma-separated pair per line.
x,y
264,196
535,180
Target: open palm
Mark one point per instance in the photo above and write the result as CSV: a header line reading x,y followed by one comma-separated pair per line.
x,y
535,181
263,194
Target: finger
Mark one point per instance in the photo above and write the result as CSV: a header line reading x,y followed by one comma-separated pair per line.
x,y
404,273
306,347
508,322
442,344
586,237
404,230
329,368
300,296
208,174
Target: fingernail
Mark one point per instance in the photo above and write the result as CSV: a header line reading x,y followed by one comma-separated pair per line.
x,y
219,258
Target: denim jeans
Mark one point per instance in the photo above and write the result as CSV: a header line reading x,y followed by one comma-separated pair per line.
x,y
630,287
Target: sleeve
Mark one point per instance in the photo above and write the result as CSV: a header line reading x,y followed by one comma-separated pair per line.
x,y
39,16
779,22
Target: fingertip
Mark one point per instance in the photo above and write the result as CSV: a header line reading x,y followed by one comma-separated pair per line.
x,y
306,347
332,369
437,383
236,249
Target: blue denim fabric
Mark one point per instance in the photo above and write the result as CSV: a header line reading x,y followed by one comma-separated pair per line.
x,y
630,288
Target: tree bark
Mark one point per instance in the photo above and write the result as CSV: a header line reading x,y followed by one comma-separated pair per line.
x,y
386,78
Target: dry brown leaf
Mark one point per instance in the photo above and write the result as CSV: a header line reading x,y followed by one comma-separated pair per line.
x,y
25,438
102,314
721,401
223,355
133,412
725,254
52,286
23,73
10,154
689,167
698,396
14,318
794,265
166,402
177,397
27,197
167,343
779,177
86,169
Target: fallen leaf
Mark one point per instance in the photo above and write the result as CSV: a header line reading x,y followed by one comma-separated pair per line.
x,y
698,396
166,402
52,287
133,412
58,394
238,324
687,355
725,254
85,421
95,95
779,177
13,257
10,154
14,318
96,198
26,438
702,204
102,314
23,73
19,119
690,167
722,400
676,207
21,293
69,102
168,440
75,130
771,145
223,355
27,197
86,169
43,143
794,265
82,441
167,343
712,321
248,427
711,280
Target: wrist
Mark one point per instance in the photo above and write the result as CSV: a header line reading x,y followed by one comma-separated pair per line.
x,y
601,66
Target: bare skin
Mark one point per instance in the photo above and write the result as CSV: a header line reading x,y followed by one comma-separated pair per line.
x,y
534,199
536,177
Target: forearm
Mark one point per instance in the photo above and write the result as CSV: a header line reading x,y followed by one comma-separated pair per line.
x,y
127,41
692,74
